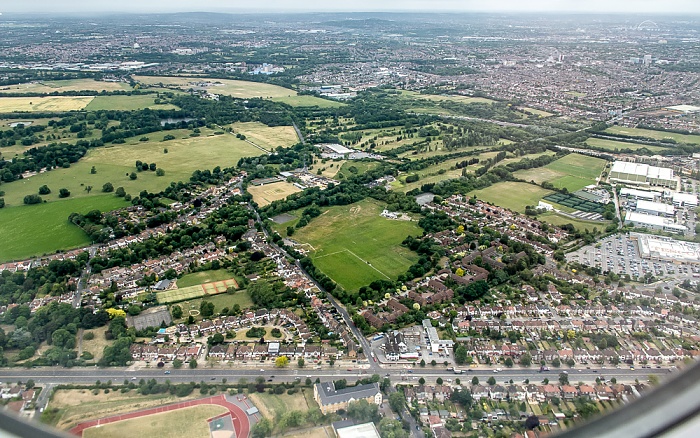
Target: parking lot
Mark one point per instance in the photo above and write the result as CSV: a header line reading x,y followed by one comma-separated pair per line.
x,y
620,255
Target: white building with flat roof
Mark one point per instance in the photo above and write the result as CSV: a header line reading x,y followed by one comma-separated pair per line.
x,y
653,222
642,174
639,194
665,248
366,430
655,208
685,200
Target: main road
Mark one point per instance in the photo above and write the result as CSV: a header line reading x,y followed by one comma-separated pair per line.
x,y
56,375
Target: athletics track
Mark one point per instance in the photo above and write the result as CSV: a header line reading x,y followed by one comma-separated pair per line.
x,y
240,418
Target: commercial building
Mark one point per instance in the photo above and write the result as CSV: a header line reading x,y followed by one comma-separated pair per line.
x,y
655,208
435,344
665,248
331,399
628,193
642,175
685,200
366,430
653,222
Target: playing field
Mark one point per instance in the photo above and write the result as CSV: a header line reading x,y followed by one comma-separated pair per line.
x,y
191,292
556,219
43,104
220,301
65,85
536,112
229,87
114,163
444,98
268,193
203,277
31,230
127,103
512,195
268,137
354,245
657,135
613,145
186,422
579,165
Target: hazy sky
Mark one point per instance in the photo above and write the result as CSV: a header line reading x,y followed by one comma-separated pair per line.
x,y
633,6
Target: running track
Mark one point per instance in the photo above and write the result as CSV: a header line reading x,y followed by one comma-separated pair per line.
x,y
240,418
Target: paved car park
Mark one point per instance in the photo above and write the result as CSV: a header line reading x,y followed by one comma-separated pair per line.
x,y
620,254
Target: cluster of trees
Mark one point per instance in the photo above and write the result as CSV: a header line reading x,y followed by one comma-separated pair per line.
x,y
467,139
25,134
272,295
52,279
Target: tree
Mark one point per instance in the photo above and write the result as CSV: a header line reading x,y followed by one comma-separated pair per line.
x,y
160,172
491,381
508,362
120,192
133,176
462,397
108,187
44,190
93,170
63,193
32,199
526,360
262,429
2,202
389,428
564,378
421,381
62,338
475,380
460,354
397,401
422,362
439,381
206,309
152,167
281,361
177,311
301,362
177,364
193,363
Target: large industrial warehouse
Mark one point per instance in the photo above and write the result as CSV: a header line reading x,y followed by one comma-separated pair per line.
x,y
642,175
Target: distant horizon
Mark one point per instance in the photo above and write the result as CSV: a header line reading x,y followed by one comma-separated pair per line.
x,y
596,7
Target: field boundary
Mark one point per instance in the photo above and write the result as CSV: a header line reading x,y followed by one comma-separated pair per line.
x,y
239,417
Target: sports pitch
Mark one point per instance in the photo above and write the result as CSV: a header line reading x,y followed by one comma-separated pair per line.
x,y
192,292
266,194
354,245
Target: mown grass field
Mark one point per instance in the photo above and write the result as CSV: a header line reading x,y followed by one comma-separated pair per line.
x,y
65,85
239,89
30,230
272,406
268,137
579,165
220,301
442,98
266,194
536,112
557,219
612,145
657,135
354,246
127,103
186,422
43,104
203,277
114,163
512,195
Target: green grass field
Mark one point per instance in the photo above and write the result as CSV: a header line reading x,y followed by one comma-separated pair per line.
x,y
268,137
203,277
180,294
536,112
354,246
443,98
220,301
556,219
127,103
31,230
43,104
657,135
512,195
65,85
612,145
114,163
189,422
582,166
239,89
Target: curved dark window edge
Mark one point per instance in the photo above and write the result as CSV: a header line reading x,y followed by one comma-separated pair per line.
x,y
657,413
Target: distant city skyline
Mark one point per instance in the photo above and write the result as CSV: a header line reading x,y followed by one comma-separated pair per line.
x,y
128,6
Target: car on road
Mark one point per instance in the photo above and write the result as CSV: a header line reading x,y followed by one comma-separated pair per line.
x,y
269,380
350,369
213,378
262,370
133,378
167,372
